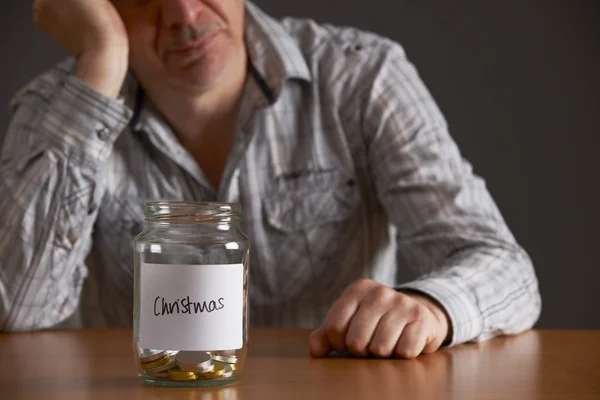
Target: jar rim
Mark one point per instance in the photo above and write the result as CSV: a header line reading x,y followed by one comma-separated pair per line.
x,y
183,203
191,211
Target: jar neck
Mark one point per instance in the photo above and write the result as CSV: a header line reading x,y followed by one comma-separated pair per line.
x,y
166,213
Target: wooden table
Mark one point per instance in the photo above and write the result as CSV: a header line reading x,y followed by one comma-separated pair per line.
x,y
99,365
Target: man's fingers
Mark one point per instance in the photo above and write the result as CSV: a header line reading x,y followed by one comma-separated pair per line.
x,y
337,321
341,313
364,322
361,330
318,344
387,334
413,339
370,318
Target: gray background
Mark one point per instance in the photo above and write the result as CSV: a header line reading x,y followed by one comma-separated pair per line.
x,y
519,83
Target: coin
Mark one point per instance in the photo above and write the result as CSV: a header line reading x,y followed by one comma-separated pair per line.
x,y
194,361
220,370
162,361
161,368
178,375
229,368
151,355
225,359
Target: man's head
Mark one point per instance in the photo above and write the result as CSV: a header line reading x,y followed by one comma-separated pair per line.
x,y
184,44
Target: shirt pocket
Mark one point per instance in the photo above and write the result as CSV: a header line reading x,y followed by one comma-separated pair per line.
x,y
312,219
301,201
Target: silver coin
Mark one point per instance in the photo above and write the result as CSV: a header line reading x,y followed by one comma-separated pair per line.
x,y
149,356
228,371
194,361
225,359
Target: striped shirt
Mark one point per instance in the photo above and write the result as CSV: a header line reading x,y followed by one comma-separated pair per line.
x,y
342,162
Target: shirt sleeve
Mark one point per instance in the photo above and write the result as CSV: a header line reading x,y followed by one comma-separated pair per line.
x,y
59,138
449,228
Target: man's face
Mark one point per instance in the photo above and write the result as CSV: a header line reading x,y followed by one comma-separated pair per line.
x,y
188,44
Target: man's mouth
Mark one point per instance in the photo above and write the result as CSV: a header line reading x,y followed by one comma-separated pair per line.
x,y
197,45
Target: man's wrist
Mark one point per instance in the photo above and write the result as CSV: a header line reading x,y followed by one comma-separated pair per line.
x,y
104,71
436,309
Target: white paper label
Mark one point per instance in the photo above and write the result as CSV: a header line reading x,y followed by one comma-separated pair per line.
x,y
191,307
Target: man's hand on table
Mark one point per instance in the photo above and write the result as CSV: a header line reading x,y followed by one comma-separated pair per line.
x,y
373,319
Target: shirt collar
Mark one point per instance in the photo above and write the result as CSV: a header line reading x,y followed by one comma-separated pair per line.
x,y
272,51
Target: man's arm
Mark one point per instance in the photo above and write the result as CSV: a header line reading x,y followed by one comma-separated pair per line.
x,y
472,272
50,190
59,138
449,228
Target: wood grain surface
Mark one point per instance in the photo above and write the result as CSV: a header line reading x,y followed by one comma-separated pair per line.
x,y
88,364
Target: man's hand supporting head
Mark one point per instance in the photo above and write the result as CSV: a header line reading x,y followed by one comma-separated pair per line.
x,y
94,33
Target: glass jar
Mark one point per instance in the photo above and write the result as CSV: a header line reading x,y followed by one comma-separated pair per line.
x,y
190,294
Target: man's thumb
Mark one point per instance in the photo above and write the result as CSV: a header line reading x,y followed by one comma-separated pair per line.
x,y
318,344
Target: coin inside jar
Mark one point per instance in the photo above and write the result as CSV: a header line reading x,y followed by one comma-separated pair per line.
x,y
161,368
229,372
229,368
194,361
178,375
162,361
220,370
149,356
225,359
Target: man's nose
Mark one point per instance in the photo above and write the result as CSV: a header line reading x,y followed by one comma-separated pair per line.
x,y
180,12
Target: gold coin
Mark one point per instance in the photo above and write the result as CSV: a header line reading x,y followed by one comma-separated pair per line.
x,y
156,363
179,375
218,370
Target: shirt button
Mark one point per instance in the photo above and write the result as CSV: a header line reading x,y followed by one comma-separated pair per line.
x,y
72,239
103,134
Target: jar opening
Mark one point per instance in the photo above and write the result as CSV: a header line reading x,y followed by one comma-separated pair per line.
x,y
191,212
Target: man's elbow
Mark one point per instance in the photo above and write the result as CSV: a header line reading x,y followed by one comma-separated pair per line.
x,y
526,312
16,326
535,308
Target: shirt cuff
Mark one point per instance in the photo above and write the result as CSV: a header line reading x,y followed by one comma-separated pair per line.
x,y
84,122
458,302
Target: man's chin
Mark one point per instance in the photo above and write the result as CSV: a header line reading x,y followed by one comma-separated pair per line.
x,y
196,81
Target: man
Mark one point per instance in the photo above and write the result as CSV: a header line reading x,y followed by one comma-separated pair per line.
x,y
327,137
